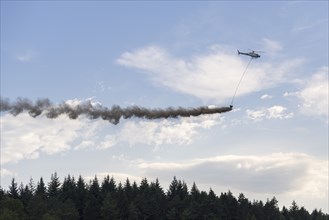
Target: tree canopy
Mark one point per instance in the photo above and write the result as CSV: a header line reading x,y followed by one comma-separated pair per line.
x,y
76,199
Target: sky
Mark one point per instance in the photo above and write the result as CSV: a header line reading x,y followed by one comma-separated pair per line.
x,y
172,54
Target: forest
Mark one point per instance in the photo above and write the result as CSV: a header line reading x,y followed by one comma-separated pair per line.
x,y
107,199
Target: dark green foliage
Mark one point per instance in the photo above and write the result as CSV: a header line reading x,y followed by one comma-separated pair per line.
x,y
68,188
80,196
93,201
230,206
108,186
177,198
53,186
244,211
107,200
37,207
41,188
271,209
13,190
122,202
11,208
108,209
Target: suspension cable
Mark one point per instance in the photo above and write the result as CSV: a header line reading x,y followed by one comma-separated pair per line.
x,y
240,81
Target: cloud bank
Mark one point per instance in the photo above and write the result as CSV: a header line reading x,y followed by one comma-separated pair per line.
x,y
23,137
274,112
210,76
184,131
275,173
314,95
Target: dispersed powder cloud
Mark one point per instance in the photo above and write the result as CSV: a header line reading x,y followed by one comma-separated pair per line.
x,y
95,111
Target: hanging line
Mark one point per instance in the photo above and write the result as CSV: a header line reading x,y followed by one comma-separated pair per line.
x,y
240,81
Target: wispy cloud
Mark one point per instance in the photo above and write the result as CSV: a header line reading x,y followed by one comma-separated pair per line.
x,y
271,46
4,172
272,173
309,25
182,131
314,94
274,112
212,75
266,96
26,56
25,137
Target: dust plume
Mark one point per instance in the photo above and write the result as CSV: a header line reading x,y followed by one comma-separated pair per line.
x,y
95,111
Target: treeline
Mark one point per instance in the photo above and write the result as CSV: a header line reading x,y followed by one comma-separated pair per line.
x,y
77,199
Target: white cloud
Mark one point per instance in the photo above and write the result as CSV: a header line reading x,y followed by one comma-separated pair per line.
x,y
278,111
314,95
4,172
256,114
308,25
266,96
155,133
274,112
75,102
26,56
288,94
271,46
25,137
208,76
278,173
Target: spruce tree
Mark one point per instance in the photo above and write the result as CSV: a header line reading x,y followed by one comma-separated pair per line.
x,y
93,203
13,190
80,196
53,186
108,208
67,190
41,188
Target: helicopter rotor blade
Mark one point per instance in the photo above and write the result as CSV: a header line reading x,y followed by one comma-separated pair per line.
x,y
256,51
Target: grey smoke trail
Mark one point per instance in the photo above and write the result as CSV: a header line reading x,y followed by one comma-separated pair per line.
x,y
113,114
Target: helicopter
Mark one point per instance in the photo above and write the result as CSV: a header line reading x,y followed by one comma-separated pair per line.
x,y
252,54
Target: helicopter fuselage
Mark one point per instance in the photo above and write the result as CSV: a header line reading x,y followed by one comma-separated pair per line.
x,y
251,54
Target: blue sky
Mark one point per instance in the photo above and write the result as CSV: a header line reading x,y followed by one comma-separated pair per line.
x,y
162,54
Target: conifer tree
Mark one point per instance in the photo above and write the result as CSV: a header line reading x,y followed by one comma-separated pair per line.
x,y
108,186
67,190
122,203
13,190
53,186
133,212
93,203
37,206
177,198
157,200
128,190
108,209
230,205
173,188
25,194
244,207
41,188
78,200
80,196
214,204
